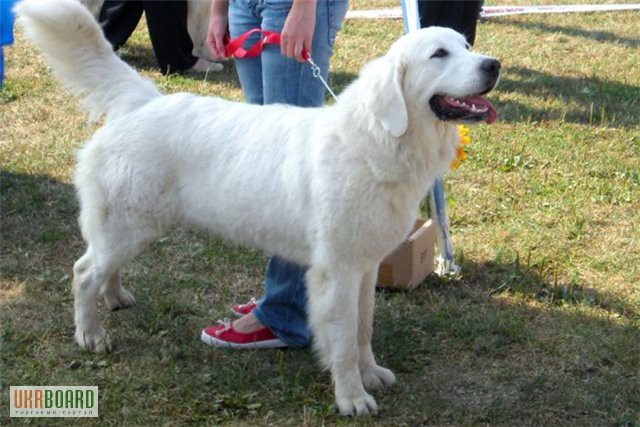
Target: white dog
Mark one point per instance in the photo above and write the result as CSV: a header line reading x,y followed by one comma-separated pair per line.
x,y
335,188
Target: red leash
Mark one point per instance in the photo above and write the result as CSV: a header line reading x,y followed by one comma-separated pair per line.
x,y
234,47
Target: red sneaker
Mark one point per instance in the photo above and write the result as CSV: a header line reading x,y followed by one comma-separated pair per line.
x,y
242,309
223,335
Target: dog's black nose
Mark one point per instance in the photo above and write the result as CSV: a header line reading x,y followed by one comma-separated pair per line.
x,y
491,66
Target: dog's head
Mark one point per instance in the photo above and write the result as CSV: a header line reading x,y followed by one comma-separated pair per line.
x,y
432,72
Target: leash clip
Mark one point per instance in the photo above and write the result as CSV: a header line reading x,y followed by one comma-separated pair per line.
x,y
315,69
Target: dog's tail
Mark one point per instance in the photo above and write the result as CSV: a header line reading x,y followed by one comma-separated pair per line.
x,y
79,54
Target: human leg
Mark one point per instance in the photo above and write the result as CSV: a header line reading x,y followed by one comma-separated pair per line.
x,y
243,17
172,45
288,81
118,19
278,319
462,16
273,78
283,307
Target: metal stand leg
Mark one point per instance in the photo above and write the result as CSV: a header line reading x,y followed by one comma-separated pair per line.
x,y
445,263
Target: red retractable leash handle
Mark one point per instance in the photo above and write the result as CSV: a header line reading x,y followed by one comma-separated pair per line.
x,y
234,47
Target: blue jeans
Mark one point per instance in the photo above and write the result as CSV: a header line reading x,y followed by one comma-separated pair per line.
x,y
273,78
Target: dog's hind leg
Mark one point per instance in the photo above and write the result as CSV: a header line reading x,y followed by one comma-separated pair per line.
x,y
86,286
110,246
114,295
333,317
373,376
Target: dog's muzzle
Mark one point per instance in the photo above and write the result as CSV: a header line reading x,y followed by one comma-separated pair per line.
x,y
472,108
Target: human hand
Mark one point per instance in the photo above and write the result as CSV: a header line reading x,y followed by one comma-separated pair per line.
x,y
297,32
217,30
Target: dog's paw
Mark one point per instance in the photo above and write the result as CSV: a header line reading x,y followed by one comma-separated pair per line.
x,y
95,342
377,377
118,299
360,405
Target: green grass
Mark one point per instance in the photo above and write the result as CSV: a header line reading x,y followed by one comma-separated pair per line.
x,y
541,328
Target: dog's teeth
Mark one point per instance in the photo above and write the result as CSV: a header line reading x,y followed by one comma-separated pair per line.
x,y
473,108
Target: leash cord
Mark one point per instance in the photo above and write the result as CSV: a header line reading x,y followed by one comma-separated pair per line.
x,y
317,73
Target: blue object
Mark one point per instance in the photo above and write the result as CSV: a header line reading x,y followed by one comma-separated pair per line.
x,y
6,30
410,15
438,204
283,307
271,78
268,79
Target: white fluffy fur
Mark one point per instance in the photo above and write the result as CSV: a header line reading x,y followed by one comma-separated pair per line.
x,y
335,188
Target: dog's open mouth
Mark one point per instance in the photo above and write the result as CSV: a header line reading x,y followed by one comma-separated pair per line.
x,y
472,109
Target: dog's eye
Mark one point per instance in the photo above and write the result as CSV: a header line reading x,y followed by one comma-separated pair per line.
x,y
440,53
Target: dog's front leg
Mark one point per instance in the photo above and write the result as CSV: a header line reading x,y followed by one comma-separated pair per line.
x,y
333,316
373,375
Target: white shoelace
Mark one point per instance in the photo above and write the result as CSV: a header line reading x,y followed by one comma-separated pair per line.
x,y
227,326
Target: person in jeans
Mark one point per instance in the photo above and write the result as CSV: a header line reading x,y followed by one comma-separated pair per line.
x,y
167,23
279,75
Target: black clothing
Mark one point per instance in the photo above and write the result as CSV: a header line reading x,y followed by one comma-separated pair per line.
x,y
167,23
462,16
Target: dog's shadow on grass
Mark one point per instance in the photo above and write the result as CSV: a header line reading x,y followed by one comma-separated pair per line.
x,y
499,343
39,227
457,305
591,100
586,100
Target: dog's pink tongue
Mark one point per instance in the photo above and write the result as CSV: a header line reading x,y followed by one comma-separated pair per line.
x,y
480,102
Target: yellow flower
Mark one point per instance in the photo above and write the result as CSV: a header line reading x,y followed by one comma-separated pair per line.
x,y
461,155
463,132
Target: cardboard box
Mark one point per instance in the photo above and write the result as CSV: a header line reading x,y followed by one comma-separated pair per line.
x,y
408,265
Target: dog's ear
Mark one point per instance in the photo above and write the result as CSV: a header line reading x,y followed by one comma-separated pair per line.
x,y
385,96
